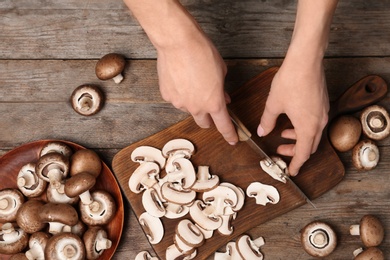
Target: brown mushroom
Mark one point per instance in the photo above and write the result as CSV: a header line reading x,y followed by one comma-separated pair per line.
x,y
100,211
53,168
110,66
57,147
96,241
60,216
365,155
10,202
370,229
37,244
28,181
375,122
79,185
344,132
318,239
85,160
12,240
371,253
87,100
65,245
28,216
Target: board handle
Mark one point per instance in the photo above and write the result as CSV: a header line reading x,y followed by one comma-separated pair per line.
x,y
365,92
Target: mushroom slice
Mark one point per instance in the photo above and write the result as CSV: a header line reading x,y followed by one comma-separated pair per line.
x,y
28,217
37,244
12,240
365,155
174,211
144,177
222,198
226,228
181,197
100,211
370,229
248,248
10,202
375,122
56,147
152,203
152,227
28,181
184,174
87,100
53,168
145,255
111,66
240,195
96,241
59,216
173,253
189,233
276,170
263,193
318,239
204,180
231,253
178,146
206,233
372,253
146,153
65,245
204,221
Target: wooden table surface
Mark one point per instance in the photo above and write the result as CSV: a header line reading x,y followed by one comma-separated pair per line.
x,y
48,48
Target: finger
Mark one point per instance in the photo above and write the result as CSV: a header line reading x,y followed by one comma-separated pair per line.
x,y
228,100
225,126
289,134
316,142
267,122
203,120
303,149
286,150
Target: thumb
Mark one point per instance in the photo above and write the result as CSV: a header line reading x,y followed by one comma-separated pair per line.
x,y
267,122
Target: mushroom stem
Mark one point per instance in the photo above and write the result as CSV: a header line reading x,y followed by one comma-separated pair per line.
x,y
4,204
56,227
118,78
319,238
69,251
357,251
35,252
354,230
259,242
95,206
377,122
103,243
27,180
55,176
85,102
86,198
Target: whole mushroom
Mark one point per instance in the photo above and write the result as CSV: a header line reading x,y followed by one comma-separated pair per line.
x,y
96,241
57,147
28,181
100,211
61,217
111,66
365,155
375,122
85,160
344,132
87,100
79,185
37,244
28,216
10,202
370,229
318,239
53,168
371,253
12,240
65,245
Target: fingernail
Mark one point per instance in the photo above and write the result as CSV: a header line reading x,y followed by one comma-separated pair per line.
x,y
232,143
260,131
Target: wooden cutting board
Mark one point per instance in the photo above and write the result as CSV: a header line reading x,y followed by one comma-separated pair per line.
x,y
239,164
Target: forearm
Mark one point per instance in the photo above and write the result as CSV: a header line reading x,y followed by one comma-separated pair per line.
x,y
312,27
166,22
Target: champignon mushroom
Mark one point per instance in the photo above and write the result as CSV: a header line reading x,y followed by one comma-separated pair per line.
x,y
28,181
100,211
240,195
57,147
12,240
152,202
318,239
189,233
231,253
79,229
85,160
276,170
371,253
10,202
79,185
263,193
65,245
370,229
204,180
146,153
152,227
174,211
177,196
37,244
173,253
59,196
145,255
87,100
28,216
53,168
203,220
110,66
248,248
365,155
179,145
344,132
221,198
144,177
59,216
375,122
96,241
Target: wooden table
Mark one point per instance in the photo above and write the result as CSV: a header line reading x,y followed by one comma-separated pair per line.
x,y
48,48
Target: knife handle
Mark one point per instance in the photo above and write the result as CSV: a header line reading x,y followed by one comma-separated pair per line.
x,y
242,132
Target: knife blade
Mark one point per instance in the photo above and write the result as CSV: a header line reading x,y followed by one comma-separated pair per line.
x,y
245,135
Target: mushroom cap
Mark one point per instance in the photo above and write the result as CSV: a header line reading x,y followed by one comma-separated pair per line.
x,y
318,239
50,160
14,240
28,216
85,160
79,183
65,245
59,212
372,253
365,155
87,99
37,244
10,202
344,132
375,122
371,231
93,239
100,211
28,181
56,146
109,66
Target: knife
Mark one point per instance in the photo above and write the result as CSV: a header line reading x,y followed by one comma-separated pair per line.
x,y
245,135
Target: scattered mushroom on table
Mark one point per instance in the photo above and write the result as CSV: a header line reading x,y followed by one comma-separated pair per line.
x,y
375,122
318,239
345,132
87,99
370,229
110,66
371,253
365,155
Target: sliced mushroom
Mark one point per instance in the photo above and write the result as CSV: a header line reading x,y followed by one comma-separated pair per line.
x,y
222,198
145,255
110,66
175,211
28,216
181,197
205,221
37,244
231,253
87,100
184,173
248,248
189,233
371,253
152,202
365,155
100,211
28,181
148,154
53,168
152,227
145,176
10,202
178,146
226,227
79,185
318,239
276,170
65,245
375,122
240,195
12,240
344,132
56,147
85,160
370,229
204,180
173,253
96,241
263,193
61,217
